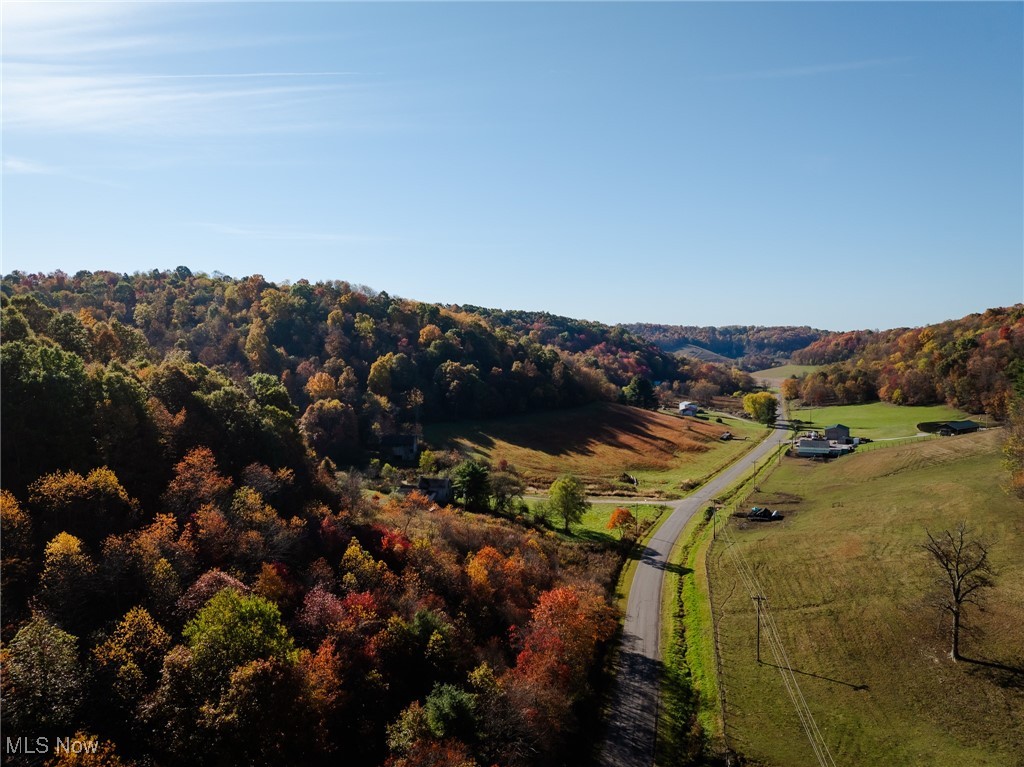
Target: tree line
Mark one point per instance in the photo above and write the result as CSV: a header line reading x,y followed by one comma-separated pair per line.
x,y
975,363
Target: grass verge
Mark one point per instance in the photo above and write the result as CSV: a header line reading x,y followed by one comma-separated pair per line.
x,y
689,725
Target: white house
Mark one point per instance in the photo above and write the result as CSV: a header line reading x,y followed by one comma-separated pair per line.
x,y
688,408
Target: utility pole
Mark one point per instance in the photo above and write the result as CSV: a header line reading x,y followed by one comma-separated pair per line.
x,y
759,599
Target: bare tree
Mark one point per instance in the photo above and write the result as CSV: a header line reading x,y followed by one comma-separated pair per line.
x,y
967,571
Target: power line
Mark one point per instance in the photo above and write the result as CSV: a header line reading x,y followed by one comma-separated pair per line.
x,y
772,634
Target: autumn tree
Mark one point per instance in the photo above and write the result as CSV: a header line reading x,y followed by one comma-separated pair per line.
x,y
100,753
15,552
965,572
196,482
705,391
1013,448
558,646
321,385
68,582
790,388
266,716
761,406
127,667
330,428
90,507
568,499
622,520
207,586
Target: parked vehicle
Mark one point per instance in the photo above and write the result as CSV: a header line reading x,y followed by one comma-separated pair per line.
x,y
761,514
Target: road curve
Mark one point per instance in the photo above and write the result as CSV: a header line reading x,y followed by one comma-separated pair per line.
x,y
633,718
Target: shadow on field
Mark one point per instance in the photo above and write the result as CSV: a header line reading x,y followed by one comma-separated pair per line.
x,y
823,678
999,673
576,431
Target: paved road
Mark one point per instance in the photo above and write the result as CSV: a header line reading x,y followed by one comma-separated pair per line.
x,y
632,721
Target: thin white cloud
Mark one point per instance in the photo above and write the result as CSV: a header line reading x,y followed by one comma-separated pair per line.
x,y
229,75
36,31
264,233
82,68
45,98
17,166
811,70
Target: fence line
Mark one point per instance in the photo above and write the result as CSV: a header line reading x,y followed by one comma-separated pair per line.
x,y
880,444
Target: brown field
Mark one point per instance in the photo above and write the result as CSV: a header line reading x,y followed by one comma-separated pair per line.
x,y
598,443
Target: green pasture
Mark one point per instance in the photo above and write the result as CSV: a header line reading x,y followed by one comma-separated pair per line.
x,y
853,596
877,420
784,371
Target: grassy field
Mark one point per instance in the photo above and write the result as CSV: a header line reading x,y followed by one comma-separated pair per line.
x,y
594,525
853,596
598,443
784,371
877,420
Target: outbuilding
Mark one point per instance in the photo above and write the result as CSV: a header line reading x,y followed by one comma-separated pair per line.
x,y
952,428
437,489
838,432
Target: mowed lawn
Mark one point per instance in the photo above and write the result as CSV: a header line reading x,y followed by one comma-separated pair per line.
x,y
598,443
877,420
853,596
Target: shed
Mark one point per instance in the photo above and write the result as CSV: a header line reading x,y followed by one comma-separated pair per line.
x,y
838,432
951,428
688,408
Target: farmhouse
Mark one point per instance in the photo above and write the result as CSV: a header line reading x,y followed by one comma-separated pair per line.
x,y
813,447
951,428
401,446
839,433
437,489
688,408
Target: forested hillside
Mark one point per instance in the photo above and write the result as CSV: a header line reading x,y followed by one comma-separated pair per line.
x,y
975,363
190,578
757,347
351,364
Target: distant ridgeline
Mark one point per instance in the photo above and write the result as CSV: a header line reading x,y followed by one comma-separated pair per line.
x,y
753,347
267,370
975,363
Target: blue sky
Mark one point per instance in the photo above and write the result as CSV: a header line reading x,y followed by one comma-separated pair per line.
x,y
843,165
